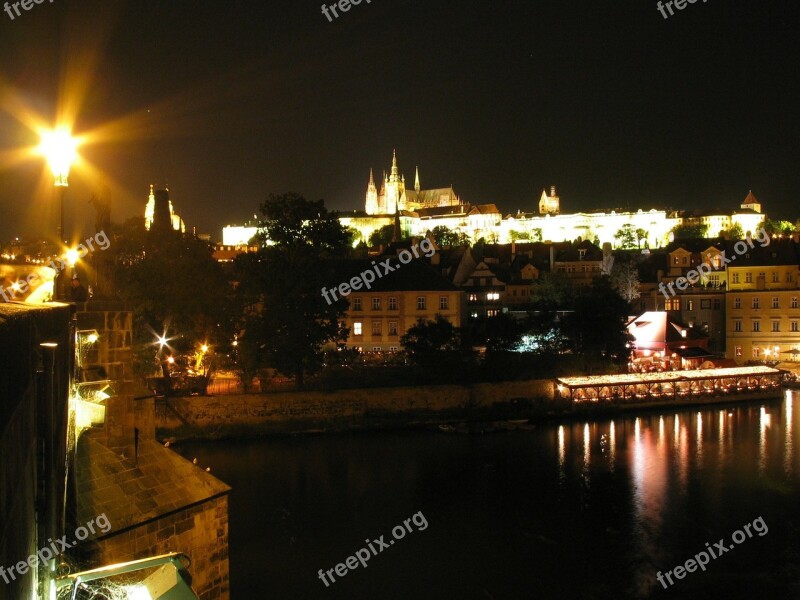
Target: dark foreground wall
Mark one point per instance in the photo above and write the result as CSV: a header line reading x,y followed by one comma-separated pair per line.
x,y
33,413
209,417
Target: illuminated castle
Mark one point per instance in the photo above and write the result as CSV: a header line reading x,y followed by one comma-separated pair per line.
x,y
394,196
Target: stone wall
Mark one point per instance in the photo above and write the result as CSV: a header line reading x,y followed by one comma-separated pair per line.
x,y
114,325
289,412
32,416
200,532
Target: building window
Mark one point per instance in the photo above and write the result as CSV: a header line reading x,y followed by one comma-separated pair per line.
x,y
357,328
748,278
356,303
737,325
735,278
690,305
776,303
377,328
493,296
795,326
392,303
756,352
420,302
789,278
685,260
737,303
376,304
492,312
756,326
392,348
705,304
794,302
444,303
392,327
756,302
776,326
473,297
376,348
672,304
776,277
717,305
738,351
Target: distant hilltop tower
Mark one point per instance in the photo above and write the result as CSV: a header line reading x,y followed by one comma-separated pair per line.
x,y
549,205
751,203
159,214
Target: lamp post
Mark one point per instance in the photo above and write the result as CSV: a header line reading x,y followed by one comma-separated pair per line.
x,y
60,150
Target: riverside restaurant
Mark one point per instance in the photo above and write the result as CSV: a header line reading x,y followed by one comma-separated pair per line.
x,y
644,387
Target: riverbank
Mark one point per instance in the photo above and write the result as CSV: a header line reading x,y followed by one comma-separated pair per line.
x,y
491,407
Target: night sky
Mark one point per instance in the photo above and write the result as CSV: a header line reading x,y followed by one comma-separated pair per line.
x,y
229,101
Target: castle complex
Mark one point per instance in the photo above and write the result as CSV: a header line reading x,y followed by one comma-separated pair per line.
x,y
419,211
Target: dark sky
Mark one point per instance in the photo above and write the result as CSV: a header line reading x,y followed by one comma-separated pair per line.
x,y
229,101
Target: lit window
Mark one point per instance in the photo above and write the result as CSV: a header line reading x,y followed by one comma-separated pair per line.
x,y
492,312
443,303
690,305
795,326
392,303
748,278
738,350
776,277
376,304
420,302
356,303
756,352
493,296
735,278
392,348
473,297
357,328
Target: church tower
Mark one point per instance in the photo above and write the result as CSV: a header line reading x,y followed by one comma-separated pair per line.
x,y
372,196
549,205
416,180
395,187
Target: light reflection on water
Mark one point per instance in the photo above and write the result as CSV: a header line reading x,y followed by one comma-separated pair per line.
x,y
574,510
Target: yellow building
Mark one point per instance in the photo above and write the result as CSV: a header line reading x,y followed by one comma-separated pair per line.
x,y
763,303
378,317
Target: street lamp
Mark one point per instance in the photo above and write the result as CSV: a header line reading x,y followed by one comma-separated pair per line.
x,y
60,150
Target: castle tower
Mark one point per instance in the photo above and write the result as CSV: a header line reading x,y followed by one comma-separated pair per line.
x,y
549,205
372,196
395,187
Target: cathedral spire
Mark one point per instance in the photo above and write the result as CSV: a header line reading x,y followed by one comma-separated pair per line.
x,y
371,179
416,181
394,176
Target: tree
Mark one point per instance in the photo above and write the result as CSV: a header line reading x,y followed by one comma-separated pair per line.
x,y
626,237
280,287
774,226
641,235
551,290
734,233
444,236
173,285
427,342
519,235
625,280
382,236
690,231
501,333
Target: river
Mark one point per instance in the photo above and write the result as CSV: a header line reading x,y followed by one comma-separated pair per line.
x,y
579,510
